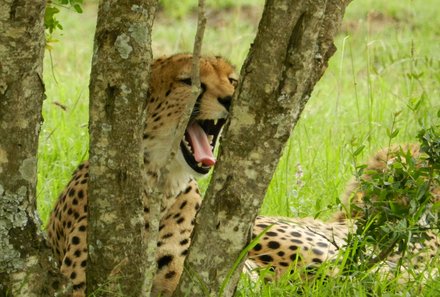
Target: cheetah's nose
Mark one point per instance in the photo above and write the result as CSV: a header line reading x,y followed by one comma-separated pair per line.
x,y
225,101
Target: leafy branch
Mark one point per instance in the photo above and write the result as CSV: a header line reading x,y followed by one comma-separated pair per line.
x,y
399,205
51,23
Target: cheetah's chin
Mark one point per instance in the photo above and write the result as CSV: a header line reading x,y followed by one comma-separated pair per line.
x,y
199,142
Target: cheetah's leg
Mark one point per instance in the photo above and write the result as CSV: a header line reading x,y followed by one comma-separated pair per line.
x,y
174,240
75,258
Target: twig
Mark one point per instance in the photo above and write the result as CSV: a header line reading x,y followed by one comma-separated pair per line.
x,y
155,195
195,73
383,255
195,79
332,241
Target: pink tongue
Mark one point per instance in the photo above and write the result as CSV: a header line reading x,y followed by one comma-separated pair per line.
x,y
200,144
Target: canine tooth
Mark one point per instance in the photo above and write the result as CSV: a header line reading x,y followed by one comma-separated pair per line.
x,y
200,164
215,122
210,138
188,146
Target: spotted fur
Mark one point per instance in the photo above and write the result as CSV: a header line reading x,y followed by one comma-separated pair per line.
x,y
290,243
170,91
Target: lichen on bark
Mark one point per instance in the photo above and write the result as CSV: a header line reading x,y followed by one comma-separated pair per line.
x,y
289,55
12,216
123,46
118,91
25,265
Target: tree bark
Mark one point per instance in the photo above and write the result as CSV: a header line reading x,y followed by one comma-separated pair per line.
x,y
289,55
118,92
25,268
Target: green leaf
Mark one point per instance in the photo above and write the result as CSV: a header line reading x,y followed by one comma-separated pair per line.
x,y
397,165
358,150
392,134
435,207
78,8
50,21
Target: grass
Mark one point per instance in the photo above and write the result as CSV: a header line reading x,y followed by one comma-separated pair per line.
x,y
387,63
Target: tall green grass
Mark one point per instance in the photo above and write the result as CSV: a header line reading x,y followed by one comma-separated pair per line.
x,y
387,62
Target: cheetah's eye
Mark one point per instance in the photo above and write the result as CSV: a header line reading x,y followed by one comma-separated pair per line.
x,y
186,81
233,82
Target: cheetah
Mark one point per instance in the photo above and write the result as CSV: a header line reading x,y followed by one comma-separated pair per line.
x,y
170,90
424,246
309,242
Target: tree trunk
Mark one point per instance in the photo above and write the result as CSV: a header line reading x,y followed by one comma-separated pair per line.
x,y
118,92
25,269
289,55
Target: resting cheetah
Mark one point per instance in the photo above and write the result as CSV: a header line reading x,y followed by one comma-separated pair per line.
x,y
423,248
314,241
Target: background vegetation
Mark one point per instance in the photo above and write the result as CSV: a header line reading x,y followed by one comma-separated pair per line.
x,y
384,76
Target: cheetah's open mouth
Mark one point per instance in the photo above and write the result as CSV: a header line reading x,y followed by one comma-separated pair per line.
x,y
199,142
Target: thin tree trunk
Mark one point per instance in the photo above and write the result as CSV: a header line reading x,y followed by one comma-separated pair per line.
x,y
25,269
118,91
289,55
